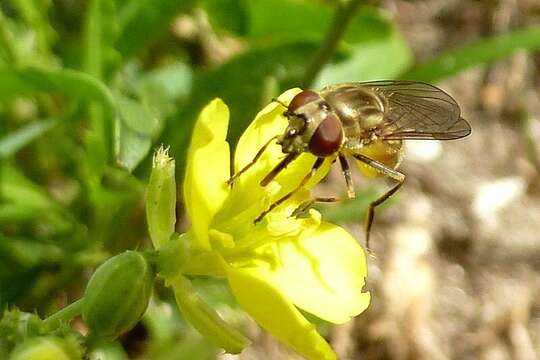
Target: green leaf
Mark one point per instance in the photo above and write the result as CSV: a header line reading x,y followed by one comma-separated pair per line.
x,y
23,200
228,15
142,21
285,19
367,62
161,88
480,52
77,85
15,213
134,130
16,188
27,253
15,141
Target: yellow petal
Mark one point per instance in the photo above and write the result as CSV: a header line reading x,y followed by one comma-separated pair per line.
x,y
276,314
207,170
268,123
322,273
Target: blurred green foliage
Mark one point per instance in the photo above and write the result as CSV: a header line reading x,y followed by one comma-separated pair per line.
x,y
88,88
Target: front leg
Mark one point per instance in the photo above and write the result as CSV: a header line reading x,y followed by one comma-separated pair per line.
x,y
318,163
252,162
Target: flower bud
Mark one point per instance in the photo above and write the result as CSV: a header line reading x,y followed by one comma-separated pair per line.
x,y
161,199
117,294
43,348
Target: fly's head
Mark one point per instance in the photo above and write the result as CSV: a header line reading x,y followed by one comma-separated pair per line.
x,y
313,126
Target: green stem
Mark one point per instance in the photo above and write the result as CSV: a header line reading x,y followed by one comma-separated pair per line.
x,y
6,41
65,314
172,255
35,15
344,14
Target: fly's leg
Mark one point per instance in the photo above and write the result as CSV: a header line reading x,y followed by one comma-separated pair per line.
x,y
308,204
277,169
382,169
252,162
346,171
318,163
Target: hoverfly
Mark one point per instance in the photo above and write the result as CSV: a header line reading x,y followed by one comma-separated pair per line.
x,y
367,121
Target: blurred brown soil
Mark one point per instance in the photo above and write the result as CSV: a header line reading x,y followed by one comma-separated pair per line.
x,y
457,274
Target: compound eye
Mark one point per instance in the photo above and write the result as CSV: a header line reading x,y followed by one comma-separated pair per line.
x,y
302,98
326,140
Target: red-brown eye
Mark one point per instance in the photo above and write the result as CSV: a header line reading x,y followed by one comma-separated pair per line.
x,y
327,138
302,98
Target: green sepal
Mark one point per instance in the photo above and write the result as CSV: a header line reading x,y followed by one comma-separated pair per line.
x,y
205,319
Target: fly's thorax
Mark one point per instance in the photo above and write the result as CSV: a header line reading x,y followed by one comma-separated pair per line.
x,y
387,152
370,117
359,108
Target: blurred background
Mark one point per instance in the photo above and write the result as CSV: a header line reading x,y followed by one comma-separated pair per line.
x,y
89,88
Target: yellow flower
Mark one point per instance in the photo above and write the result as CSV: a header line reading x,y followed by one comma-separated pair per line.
x,y
281,264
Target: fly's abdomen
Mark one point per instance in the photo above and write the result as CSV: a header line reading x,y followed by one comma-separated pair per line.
x,y
389,153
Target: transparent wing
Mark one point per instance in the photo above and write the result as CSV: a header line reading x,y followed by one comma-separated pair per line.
x,y
416,110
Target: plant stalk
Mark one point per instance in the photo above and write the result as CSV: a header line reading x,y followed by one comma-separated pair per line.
x,y
344,14
65,314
